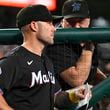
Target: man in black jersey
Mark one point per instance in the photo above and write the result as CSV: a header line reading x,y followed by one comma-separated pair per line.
x,y
72,61
27,79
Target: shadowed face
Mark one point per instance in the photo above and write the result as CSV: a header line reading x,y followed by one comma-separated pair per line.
x,y
76,23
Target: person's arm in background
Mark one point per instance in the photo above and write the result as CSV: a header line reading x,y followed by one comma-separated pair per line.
x,y
100,76
100,73
77,75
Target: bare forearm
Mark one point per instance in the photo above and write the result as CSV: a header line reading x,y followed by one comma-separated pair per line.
x,y
3,104
83,65
77,75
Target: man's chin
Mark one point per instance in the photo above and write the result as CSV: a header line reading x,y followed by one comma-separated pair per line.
x,y
51,43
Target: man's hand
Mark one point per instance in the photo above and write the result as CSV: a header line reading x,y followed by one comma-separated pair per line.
x,y
89,46
80,93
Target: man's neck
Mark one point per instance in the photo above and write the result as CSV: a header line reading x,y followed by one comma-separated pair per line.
x,y
34,48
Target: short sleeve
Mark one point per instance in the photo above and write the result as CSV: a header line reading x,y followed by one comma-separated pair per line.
x,y
8,73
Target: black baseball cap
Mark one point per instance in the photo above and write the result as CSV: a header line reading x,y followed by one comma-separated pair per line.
x,y
32,13
75,9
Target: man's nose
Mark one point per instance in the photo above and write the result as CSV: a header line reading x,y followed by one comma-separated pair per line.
x,y
77,25
54,29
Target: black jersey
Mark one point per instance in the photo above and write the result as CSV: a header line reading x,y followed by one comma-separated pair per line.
x,y
27,80
64,56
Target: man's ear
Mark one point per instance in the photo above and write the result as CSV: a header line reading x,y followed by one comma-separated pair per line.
x,y
34,26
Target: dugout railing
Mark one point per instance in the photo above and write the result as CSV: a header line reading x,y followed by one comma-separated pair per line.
x,y
100,35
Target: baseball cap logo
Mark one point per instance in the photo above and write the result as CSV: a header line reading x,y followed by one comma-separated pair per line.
x,y
76,7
